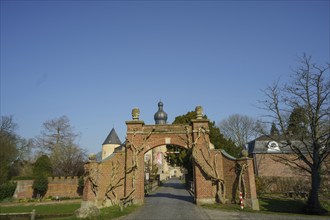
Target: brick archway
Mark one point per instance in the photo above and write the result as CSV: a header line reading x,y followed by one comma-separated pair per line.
x,y
142,138
120,178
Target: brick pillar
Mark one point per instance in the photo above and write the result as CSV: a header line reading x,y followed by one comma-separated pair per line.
x,y
88,195
133,137
251,197
203,185
253,200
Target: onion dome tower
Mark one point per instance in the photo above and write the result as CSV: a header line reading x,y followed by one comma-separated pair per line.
x,y
160,116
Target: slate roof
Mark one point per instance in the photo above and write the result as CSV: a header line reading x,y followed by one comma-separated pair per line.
x,y
112,138
261,144
116,150
120,148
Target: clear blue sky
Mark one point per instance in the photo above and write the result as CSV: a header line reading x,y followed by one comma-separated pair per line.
x,y
93,61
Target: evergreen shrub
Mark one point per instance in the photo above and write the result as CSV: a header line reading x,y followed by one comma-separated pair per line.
x,y
7,190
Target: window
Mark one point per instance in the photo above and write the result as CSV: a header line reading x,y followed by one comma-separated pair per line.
x,y
273,146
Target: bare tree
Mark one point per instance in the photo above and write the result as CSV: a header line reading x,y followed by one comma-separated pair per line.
x,y
7,124
58,141
309,90
240,129
15,151
8,149
68,160
56,132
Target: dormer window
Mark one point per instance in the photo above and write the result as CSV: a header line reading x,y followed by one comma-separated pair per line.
x,y
273,146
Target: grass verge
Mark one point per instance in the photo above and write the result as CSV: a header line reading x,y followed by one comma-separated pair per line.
x,y
65,211
42,209
269,205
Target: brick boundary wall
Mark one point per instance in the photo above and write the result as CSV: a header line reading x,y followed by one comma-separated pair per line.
x,y
57,186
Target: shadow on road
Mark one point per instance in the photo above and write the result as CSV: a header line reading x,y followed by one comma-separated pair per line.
x,y
171,196
173,185
179,191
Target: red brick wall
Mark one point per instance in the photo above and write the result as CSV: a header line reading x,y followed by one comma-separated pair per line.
x,y
23,189
268,165
112,174
109,177
57,186
204,189
230,177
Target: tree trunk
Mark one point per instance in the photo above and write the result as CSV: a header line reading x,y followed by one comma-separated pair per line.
x,y
313,205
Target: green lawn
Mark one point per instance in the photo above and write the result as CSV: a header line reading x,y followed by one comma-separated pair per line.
x,y
280,205
286,205
42,209
64,211
114,212
269,204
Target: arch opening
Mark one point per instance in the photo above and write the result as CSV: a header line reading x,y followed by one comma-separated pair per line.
x,y
163,162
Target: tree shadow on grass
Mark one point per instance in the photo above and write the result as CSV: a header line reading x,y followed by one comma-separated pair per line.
x,y
281,205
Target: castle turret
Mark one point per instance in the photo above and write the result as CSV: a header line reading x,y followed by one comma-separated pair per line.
x,y
110,143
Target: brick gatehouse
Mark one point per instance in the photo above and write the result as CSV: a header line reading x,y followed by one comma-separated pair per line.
x,y
218,177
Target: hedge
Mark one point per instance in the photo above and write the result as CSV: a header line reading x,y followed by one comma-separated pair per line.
x,y
7,190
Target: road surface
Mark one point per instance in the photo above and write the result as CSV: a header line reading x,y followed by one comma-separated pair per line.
x,y
170,201
173,201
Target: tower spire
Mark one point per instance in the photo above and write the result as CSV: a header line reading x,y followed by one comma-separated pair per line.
x,y
160,116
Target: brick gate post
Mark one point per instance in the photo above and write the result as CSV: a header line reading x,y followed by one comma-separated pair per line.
x,y
253,200
134,182
204,190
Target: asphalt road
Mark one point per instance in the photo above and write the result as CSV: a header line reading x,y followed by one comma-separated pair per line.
x,y
173,201
170,201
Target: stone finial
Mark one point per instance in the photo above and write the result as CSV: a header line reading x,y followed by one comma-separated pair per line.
x,y
199,112
135,114
244,154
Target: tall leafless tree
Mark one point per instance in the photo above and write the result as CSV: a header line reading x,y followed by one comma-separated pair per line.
x,y
58,141
309,90
15,151
56,132
8,149
240,129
